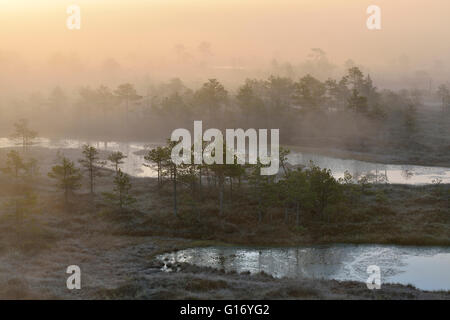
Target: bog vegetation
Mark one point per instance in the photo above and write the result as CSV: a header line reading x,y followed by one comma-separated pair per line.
x,y
349,113
300,193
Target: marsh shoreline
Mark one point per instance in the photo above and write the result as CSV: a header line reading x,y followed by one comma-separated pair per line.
x,y
116,251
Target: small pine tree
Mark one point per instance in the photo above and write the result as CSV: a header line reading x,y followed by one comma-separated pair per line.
x,y
91,164
23,199
121,193
357,103
116,159
14,164
261,189
68,177
325,188
299,192
351,190
159,157
410,120
24,134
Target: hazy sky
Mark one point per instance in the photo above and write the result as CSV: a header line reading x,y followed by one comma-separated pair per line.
x,y
38,50
246,29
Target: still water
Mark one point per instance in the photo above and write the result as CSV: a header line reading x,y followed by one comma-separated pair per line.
x,y
402,174
427,268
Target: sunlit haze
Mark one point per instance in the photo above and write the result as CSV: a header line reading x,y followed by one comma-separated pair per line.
x,y
144,34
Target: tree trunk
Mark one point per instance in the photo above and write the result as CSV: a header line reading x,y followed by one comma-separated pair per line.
x,y
120,201
159,175
91,176
200,183
175,211
221,187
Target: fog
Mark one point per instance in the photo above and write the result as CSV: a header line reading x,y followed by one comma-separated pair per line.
x,y
155,40
45,66
359,123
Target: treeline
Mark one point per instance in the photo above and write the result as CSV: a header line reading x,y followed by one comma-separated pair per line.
x,y
297,191
294,196
310,189
301,191
67,176
350,110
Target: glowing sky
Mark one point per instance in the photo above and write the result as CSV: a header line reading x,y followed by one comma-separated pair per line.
x,y
248,29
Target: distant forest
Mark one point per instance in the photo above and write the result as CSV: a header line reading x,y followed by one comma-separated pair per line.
x,y
350,112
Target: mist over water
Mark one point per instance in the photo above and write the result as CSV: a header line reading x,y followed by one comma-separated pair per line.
x,y
134,164
92,91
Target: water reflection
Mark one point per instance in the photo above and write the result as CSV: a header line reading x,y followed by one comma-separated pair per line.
x,y
425,268
374,172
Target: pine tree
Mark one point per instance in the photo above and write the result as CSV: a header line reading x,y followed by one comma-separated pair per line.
x,y
116,159
121,196
299,192
126,93
24,134
68,177
91,164
158,157
23,199
357,103
14,164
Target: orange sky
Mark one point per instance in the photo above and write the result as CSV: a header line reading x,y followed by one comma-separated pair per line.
x,y
249,28
251,32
